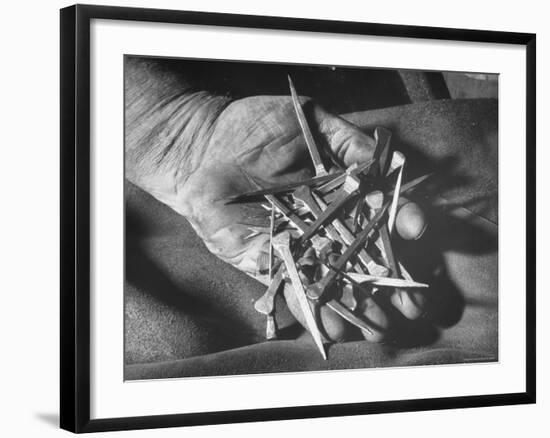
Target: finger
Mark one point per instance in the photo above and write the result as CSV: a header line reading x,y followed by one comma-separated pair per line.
x,y
347,142
410,222
376,318
410,303
331,325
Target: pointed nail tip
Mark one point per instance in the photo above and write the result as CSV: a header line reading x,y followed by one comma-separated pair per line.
x,y
292,89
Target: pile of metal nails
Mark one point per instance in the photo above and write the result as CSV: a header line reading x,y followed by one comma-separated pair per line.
x,y
337,226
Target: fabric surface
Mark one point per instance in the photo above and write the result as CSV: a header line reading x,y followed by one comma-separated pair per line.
x,y
187,313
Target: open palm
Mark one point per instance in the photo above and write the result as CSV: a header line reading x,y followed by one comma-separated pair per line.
x,y
257,143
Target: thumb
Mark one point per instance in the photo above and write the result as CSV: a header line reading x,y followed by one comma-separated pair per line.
x,y
346,141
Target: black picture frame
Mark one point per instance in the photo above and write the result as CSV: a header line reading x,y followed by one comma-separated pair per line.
x,y
75,216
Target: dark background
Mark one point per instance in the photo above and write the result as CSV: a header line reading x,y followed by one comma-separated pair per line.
x,y
339,89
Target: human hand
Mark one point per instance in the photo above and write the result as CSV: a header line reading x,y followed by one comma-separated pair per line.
x,y
255,143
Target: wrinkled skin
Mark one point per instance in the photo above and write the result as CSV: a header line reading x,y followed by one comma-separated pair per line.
x,y
248,144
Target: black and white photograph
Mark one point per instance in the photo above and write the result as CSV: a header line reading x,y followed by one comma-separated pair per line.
x,y
275,219
284,218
